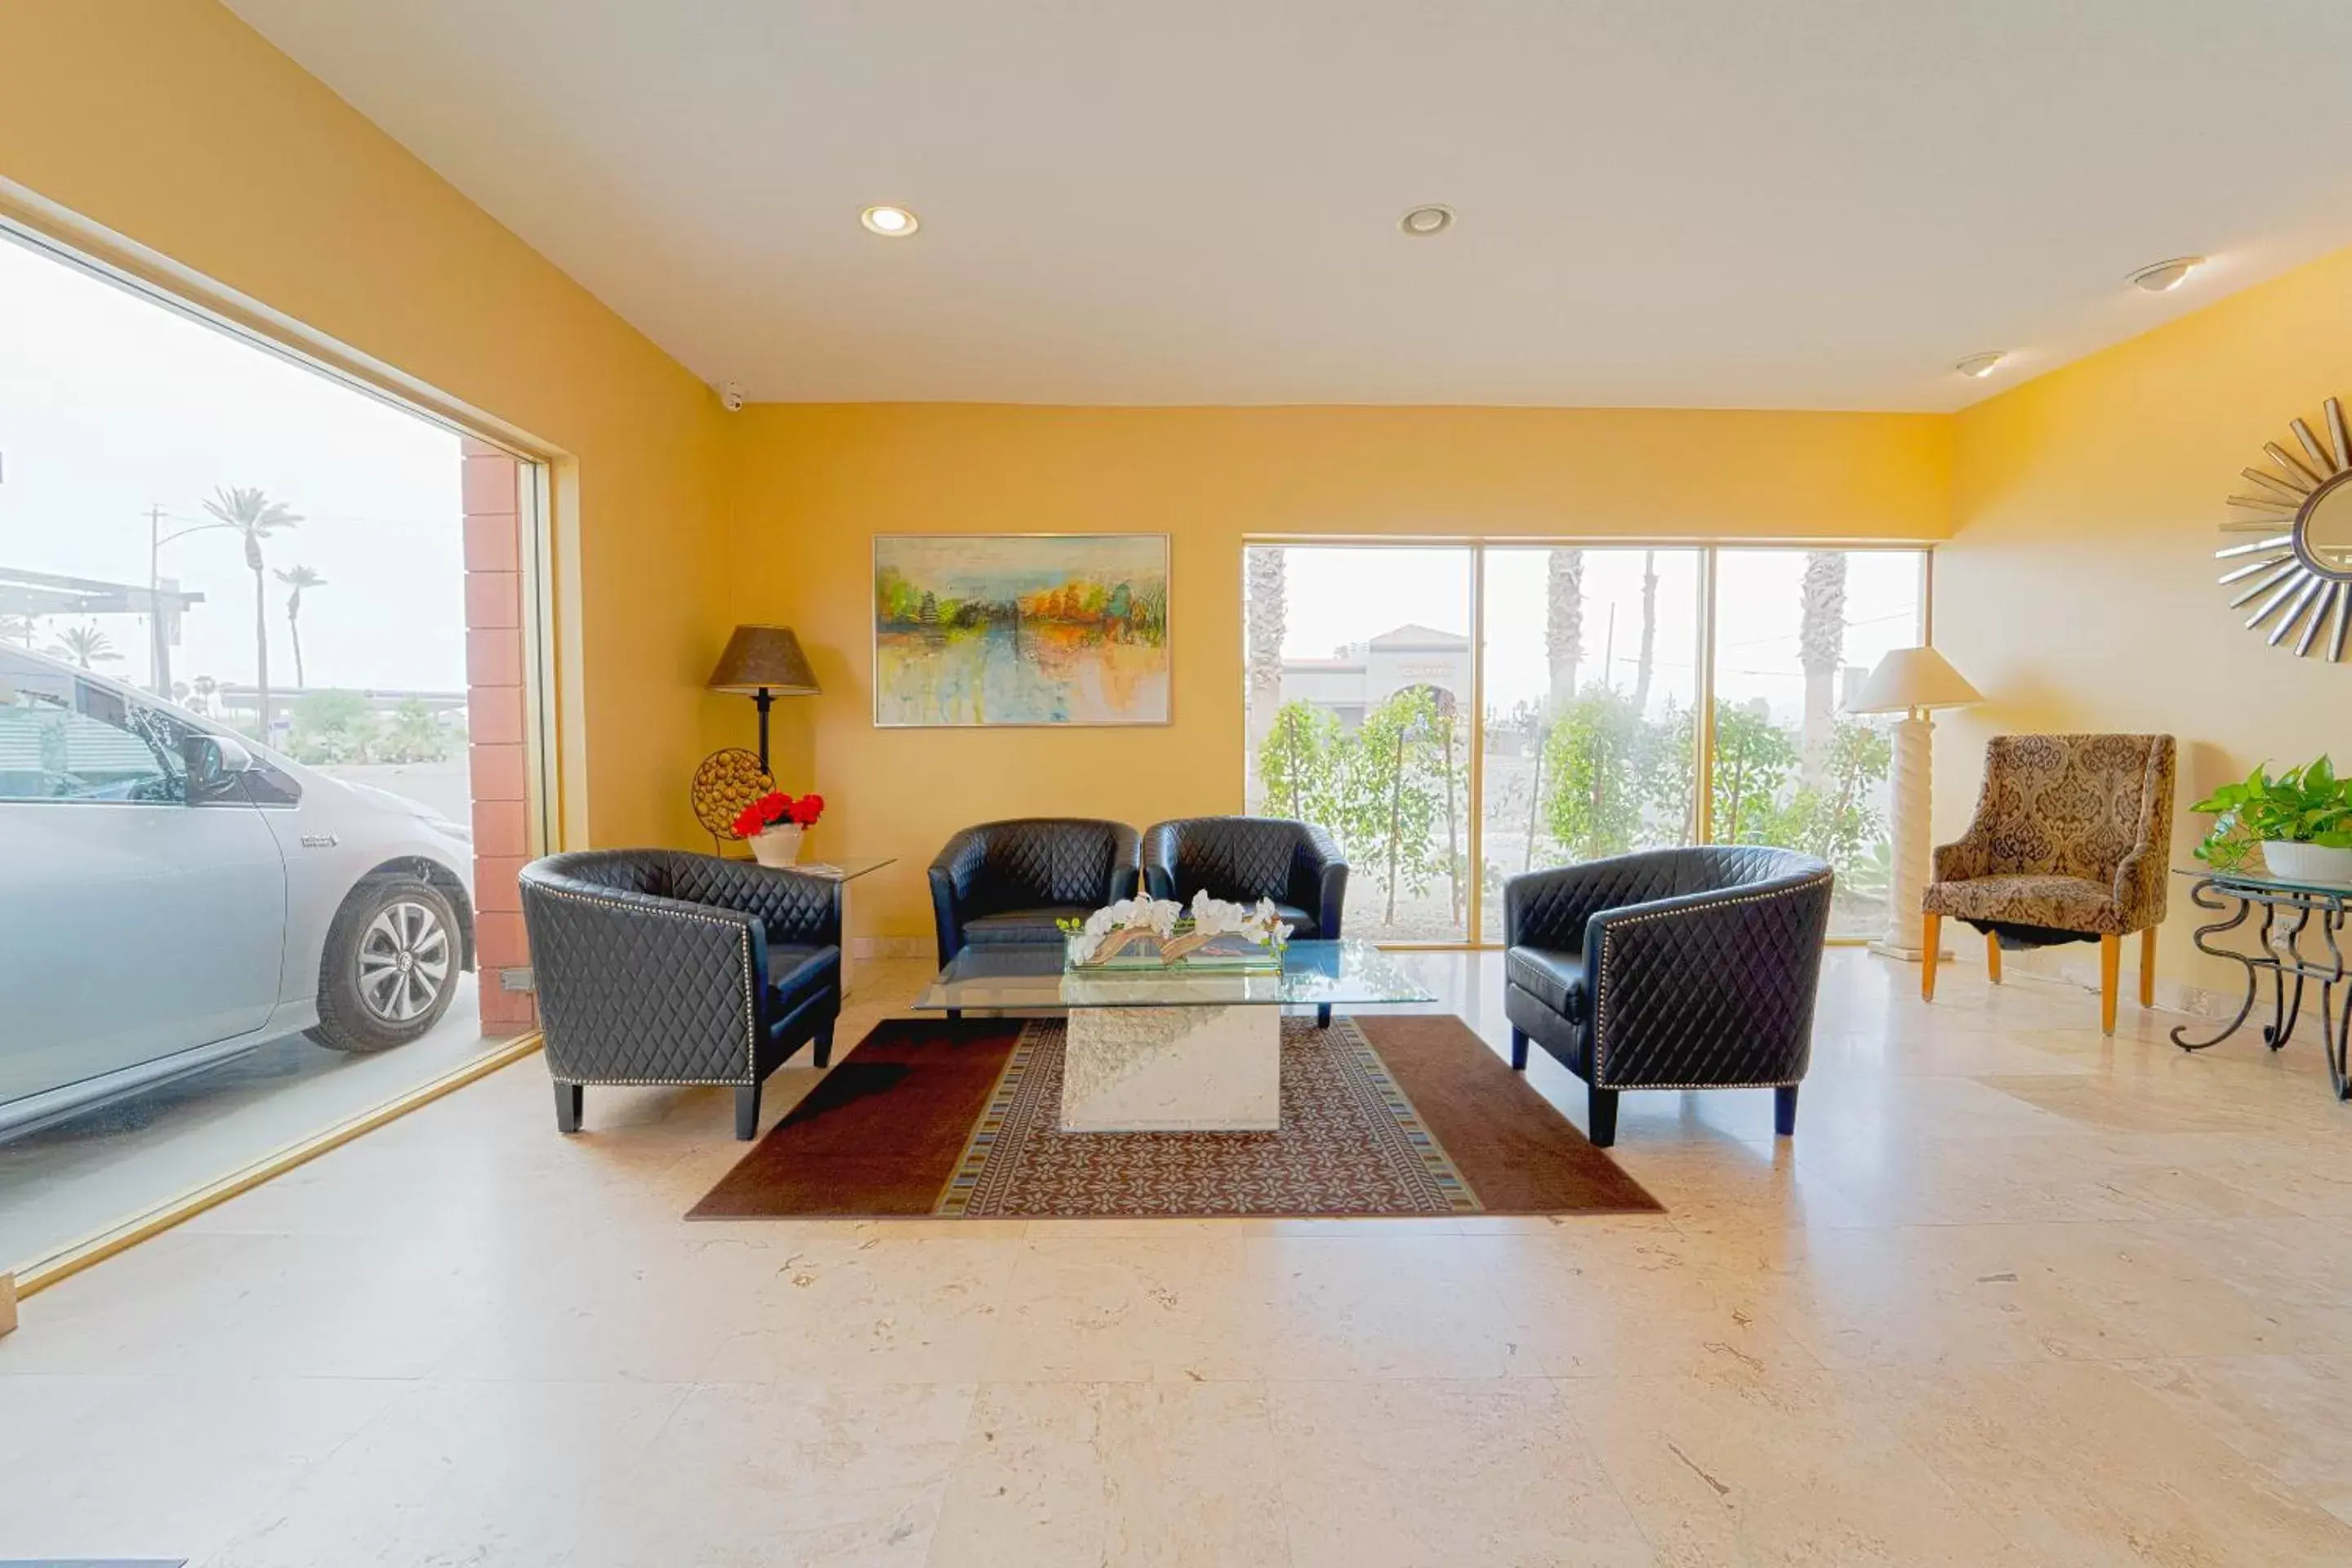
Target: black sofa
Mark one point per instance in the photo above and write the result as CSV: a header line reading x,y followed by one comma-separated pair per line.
x,y
1691,968
1013,881
1242,860
657,966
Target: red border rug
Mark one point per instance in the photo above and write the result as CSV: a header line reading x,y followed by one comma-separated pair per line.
x,y
1381,1116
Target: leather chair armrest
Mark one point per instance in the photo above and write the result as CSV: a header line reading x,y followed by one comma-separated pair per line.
x,y
634,988
1126,871
951,873
1319,879
1159,861
1709,989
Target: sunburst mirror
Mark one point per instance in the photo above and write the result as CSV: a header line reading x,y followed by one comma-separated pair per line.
x,y
2301,568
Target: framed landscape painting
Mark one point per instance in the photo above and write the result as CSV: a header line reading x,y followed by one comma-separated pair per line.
x,y
1064,629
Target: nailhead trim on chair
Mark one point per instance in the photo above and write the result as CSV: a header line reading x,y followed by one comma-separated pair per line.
x,y
1600,1012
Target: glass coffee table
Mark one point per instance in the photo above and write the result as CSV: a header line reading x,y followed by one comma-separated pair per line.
x,y
1150,1051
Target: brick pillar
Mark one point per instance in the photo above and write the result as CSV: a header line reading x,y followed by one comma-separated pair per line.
x,y
494,720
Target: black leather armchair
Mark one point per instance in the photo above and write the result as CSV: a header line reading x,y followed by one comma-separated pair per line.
x,y
1690,968
657,966
1244,858
1012,881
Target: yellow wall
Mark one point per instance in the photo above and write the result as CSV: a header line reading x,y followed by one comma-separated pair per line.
x,y
2078,589
172,124
812,484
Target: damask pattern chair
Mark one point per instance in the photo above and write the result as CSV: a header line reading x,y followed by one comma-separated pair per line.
x,y
2069,845
1012,881
1242,860
1691,968
658,966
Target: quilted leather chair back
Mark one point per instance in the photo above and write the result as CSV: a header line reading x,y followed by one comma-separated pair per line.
x,y
1039,860
1241,858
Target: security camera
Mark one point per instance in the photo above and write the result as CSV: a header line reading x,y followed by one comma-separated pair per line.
x,y
730,396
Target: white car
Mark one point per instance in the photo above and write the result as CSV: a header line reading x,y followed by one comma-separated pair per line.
x,y
171,894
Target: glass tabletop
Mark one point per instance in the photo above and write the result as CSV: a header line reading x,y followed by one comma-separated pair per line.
x,y
848,868
2262,881
1025,975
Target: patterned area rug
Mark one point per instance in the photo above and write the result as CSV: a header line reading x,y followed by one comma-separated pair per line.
x,y
1349,1143
1399,1116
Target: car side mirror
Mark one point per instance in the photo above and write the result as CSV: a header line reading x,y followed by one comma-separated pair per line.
x,y
212,761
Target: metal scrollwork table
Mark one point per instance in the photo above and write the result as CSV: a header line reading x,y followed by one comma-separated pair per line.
x,y
2303,936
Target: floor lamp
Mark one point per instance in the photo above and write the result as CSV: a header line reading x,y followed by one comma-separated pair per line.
x,y
1910,681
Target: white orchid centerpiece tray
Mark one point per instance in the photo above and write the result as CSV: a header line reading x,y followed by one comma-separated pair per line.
x,y
1145,933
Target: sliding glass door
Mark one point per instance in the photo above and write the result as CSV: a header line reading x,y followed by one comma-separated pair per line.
x,y
1460,714
1589,748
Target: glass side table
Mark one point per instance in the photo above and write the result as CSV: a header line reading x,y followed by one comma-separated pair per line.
x,y
2300,936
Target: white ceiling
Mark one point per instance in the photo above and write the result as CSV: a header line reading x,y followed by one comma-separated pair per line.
x,y
1682,203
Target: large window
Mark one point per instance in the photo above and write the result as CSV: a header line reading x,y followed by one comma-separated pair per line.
x,y
1587,670
237,872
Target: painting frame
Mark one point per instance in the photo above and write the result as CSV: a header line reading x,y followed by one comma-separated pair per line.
x,y
1160,713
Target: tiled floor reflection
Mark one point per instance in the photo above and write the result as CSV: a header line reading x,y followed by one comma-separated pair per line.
x,y
2016,1294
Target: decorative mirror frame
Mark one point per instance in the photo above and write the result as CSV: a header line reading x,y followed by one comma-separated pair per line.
x,y
2296,584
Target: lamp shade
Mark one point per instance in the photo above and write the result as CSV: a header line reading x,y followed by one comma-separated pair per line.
x,y
764,658
1912,677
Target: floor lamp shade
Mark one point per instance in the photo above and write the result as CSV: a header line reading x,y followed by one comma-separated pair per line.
x,y
764,663
1910,681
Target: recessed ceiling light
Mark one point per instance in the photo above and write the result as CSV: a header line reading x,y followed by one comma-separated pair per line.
x,y
890,222
1424,221
2166,276
1979,365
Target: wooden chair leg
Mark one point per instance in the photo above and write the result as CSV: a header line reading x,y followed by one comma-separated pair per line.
x,y
2147,967
1784,1111
2111,959
1992,957
1518,1050
746,1111
567,1106
1932,926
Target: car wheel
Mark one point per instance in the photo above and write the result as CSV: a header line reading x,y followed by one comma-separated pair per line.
x,y
391,967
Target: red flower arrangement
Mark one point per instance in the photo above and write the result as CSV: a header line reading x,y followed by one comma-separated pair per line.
x,y
776,806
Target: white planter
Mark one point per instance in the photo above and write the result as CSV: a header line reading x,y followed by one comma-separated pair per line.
x,y
2307,862
777,846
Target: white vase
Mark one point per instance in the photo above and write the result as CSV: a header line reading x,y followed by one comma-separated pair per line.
x,y
2307,862
777,846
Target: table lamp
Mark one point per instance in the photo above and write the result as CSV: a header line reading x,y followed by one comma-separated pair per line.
x,y
1910,681
764,663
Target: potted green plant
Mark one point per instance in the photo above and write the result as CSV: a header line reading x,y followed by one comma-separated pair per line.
x,y
2302,819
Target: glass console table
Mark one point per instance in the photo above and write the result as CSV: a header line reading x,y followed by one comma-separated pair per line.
x,y
1190,1050
2300,936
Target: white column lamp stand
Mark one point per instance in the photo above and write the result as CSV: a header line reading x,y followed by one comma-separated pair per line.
x,y
1910,681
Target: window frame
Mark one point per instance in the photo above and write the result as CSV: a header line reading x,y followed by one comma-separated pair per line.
x,y
1709,550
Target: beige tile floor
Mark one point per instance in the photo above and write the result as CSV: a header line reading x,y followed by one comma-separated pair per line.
x,y
2016,1294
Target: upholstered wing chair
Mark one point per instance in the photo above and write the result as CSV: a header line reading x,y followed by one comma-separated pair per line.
x,y
2069,844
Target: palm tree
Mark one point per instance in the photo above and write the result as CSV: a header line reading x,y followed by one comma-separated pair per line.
x,y
1265,590
297,578
1563,627
1820,649
254,517
1642,666
205,686
17,629
87,644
